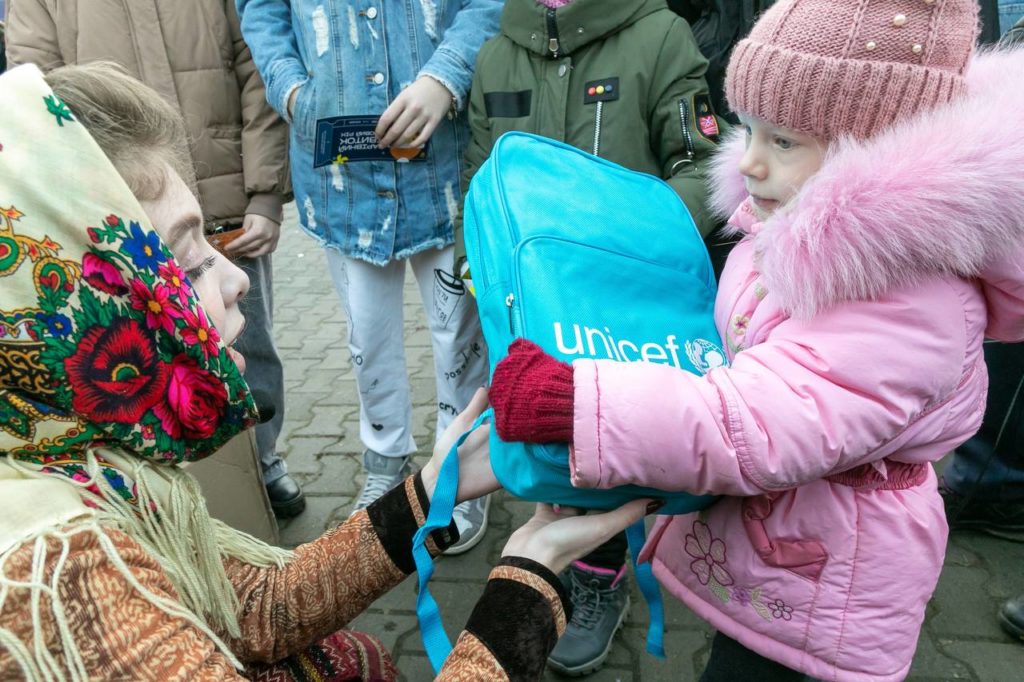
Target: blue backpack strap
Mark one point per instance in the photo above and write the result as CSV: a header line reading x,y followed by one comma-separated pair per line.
x,y
648,584
442,505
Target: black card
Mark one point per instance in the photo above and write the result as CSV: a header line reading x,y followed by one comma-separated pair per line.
x,y
350,139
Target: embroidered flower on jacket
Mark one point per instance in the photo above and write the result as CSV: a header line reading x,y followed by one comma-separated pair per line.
x,y
144,248
156,303
779,609
709,555
740,323
741,596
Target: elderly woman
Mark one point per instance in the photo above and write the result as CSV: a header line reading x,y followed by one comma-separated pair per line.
x,y
116,324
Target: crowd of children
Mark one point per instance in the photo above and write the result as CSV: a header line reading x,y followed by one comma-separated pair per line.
x,y
874,195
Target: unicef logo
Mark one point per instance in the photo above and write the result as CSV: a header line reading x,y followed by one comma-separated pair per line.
x,y
704,355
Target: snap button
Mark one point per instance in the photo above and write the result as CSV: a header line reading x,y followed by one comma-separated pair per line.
x,y
378,78
562,69
371,13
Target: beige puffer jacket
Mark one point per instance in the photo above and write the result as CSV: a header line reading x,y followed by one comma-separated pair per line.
x,y
191,52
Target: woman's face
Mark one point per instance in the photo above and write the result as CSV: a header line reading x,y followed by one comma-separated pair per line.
x,y
218,282
777,163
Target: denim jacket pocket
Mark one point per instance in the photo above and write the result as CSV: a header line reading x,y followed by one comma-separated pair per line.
x,y
304,112
805,558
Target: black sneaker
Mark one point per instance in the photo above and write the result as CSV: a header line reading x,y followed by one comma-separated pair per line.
x,y
600,599
1011,618
1003,519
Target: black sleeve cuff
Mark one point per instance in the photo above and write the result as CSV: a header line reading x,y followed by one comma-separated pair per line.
x,y
398,514
520,622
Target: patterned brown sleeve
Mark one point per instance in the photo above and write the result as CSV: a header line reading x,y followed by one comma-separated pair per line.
x,y
120,634
513,628
471,661
332,579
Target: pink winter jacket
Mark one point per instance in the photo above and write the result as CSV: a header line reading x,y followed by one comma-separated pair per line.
x,y
854,322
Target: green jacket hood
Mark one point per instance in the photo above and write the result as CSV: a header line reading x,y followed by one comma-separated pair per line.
x,y
526,23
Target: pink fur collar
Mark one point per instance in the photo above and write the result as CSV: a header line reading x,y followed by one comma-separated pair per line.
x,y
940,194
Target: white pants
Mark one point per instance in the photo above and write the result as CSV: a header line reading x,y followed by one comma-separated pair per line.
x,y
372,296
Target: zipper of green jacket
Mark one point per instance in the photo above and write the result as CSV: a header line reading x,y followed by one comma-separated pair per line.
x,y
552,34
684,122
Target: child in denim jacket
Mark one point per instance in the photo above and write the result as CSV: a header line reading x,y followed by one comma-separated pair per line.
x,y
410,62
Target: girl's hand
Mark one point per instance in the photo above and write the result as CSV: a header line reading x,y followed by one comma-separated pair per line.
x,y
475,475
554,540
413,116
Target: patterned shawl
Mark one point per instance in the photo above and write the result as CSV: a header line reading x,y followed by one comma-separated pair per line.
x,y
110,371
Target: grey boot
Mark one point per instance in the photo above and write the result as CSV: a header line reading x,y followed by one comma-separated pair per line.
x,y
600,599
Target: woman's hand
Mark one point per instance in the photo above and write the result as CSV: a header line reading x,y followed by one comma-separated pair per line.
x,y
413,116
556,539
475,475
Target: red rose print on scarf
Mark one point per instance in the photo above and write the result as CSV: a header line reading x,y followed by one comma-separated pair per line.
x,y
196,400
115,374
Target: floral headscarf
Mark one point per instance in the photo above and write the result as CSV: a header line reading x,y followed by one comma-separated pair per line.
x,y
110,373
102,339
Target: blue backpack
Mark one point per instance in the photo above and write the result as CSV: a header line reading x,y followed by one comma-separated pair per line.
x,y
588,260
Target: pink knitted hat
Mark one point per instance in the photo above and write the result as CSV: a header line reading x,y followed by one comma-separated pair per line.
x,y
835,67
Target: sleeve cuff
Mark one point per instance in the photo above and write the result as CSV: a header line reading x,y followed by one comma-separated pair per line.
x,y
520,616
449,70
268,205
398,514
585,454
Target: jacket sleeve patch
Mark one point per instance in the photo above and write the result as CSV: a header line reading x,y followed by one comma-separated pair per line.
x,y
508,104
707,123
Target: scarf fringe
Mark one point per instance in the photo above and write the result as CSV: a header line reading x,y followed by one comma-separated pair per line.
x,y
170,522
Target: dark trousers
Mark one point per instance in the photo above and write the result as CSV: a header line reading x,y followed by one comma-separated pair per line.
x,y
731,661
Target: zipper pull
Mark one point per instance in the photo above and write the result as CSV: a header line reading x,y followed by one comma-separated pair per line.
x,y
509,301
552,33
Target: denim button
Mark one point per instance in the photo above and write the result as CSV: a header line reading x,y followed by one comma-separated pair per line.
x,y
371,13
378,78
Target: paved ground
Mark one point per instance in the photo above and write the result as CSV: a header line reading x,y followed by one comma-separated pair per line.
x,y
961,640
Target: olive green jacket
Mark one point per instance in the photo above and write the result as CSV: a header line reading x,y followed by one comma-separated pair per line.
x,y
536,76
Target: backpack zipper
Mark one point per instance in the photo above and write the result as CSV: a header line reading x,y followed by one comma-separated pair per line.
x,y
552,33
684,122
509,301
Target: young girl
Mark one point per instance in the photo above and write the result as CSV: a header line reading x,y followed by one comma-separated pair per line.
x,y
883,216
623,80
116,366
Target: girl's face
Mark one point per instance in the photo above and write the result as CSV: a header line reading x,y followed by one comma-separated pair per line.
x,y
777,163
218,282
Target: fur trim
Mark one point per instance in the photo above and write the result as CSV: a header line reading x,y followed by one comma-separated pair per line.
x,y
937,195
728,189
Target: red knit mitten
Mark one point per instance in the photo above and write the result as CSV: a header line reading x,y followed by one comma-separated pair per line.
x,y
531,393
